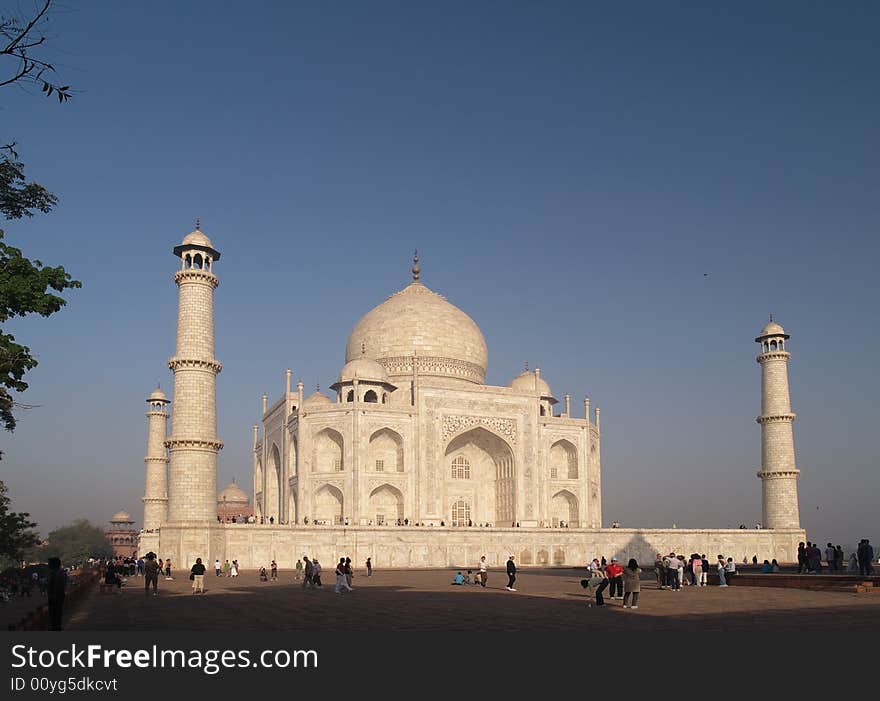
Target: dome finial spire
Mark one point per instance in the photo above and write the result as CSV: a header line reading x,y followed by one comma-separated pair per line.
x,y
363,348
198,224
415,268
771,316
526,366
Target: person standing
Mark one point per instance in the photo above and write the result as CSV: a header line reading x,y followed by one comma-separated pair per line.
x,y
55,587
227,568
484,572
168,568
802,558
316,572
853,564
151,574
659,571
866,558
632,584
838,559
217,567
299,567
369,567
233,572
614,572
722,582
830,558
697,567
273,568
730,570
341,579
309,572
197,574
511,574
349,572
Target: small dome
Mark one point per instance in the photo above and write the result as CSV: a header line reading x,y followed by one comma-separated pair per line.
x,y
233,494
121,516
197,238
316,400
363,368
529,382
159,395
773,329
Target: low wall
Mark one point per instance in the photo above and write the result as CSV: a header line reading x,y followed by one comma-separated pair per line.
x,y
419,547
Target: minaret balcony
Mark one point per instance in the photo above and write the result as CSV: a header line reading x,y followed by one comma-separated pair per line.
x,y
195,364
776,418
195,275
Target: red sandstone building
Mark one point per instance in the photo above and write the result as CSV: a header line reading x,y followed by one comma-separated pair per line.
x,y
122,534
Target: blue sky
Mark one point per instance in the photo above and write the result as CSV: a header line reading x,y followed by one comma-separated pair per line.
x,y
618,195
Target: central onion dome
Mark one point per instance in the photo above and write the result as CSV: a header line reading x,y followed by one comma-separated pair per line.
x,y
419,323
233,494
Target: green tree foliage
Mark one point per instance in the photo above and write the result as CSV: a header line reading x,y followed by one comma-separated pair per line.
x,y
78,542
26,286
16,531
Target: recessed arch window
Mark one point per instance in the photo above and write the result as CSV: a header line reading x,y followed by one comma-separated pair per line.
x,y
350,396
461,468
371,397
461,513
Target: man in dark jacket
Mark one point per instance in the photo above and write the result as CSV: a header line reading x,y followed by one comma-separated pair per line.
x,y
151,574
511,574
55,590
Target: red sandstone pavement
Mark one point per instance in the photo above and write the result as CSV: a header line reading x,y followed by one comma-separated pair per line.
x,y
548,600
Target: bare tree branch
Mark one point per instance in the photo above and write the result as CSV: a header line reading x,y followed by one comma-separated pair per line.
x,y
22,38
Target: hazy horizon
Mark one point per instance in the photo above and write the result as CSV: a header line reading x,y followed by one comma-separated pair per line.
x,y
617,195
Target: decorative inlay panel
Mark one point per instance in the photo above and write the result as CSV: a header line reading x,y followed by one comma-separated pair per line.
x,y
458,424
428,365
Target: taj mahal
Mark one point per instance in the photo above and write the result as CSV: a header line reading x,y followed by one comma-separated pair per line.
x,y
413,460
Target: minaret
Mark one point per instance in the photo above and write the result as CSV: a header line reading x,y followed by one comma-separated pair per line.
x,y
193,444
156,491
778,469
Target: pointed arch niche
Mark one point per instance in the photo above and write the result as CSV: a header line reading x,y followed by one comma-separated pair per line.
x,y
563,460
492,475
272,498
385,452
328,505
386,505
564,509
329,451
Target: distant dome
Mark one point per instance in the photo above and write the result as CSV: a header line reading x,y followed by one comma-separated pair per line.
x,y
158,394
233,494
418,321
529,382
197,238
121,516
317,399
362,368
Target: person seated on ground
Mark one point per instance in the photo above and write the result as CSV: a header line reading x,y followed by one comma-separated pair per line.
x,y
263,576
467,577
766,568
459,579
774,567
